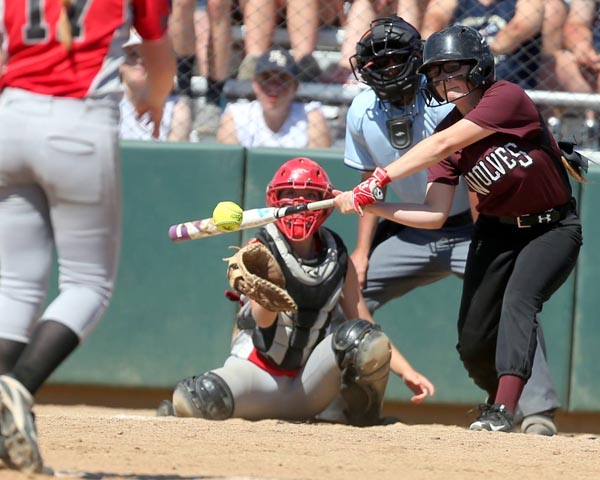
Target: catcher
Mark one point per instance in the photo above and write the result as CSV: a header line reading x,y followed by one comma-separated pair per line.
x,y
284,363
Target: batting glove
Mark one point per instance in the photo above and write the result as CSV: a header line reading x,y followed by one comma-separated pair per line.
x,y
370,190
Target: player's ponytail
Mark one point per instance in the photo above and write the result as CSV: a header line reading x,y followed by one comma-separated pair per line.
x,y
65,34
572,162
575,163
573,171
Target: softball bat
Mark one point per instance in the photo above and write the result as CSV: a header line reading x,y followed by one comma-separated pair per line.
x,y
256,217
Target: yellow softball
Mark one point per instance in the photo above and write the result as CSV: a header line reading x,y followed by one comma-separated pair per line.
x,y
227,216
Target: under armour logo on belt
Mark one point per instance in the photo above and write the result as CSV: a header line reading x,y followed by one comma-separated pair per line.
x,y
544,218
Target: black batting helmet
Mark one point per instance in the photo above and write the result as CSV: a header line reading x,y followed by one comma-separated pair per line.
x,y
387,58
463,44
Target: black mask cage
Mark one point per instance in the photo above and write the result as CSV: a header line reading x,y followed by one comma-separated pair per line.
x,y
387,58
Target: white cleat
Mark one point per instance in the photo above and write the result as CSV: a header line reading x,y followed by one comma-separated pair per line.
x,y
17,427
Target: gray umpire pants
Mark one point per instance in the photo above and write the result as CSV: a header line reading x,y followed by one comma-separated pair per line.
x,y
412,258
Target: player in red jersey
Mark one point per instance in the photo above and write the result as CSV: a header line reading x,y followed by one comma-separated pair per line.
x,y
60,183
528,235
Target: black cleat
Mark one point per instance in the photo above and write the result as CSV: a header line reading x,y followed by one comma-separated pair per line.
x,y
493,418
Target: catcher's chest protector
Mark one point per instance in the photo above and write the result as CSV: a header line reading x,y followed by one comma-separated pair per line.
x,y
316,288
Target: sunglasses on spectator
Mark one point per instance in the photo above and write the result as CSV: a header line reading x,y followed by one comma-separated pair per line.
x,y
446,67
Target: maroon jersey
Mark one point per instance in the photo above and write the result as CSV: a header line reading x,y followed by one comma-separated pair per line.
x,y
509,170
37,62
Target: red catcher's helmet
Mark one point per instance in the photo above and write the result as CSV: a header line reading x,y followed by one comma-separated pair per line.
x,y
299,173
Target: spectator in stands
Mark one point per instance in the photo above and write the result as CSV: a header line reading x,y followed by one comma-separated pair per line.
x,y
412,11
181,31
360,16
558,69
303,19
512,30
582,41
218,50
176,120
202,36
555,14
274,119
582,38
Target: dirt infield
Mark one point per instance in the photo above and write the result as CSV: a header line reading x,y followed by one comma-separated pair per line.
x,y
109,443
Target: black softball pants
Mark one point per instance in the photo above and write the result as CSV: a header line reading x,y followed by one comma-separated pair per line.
x,y
510,273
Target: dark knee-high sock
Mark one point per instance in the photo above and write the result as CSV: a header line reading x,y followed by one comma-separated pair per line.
x,y
10,350
214,92
510,388
51,343
185,70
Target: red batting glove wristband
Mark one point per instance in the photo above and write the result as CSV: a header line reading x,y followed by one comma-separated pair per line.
x,y
370,190
382,177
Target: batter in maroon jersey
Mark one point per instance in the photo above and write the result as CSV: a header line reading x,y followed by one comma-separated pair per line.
x,y
504,169
527,236
60,183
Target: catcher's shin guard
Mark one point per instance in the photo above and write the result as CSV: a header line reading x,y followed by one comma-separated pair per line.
x,y
363,354
206,396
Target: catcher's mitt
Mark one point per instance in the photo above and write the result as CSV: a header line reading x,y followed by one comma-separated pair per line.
x,y
254,271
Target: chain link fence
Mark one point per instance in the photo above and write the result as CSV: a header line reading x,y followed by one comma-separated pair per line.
x,y
218,44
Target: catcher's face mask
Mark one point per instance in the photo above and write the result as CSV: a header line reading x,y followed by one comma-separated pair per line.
x,y
302,225
297,182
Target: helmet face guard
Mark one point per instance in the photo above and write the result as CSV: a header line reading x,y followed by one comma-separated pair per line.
x,y
299,174
461,44
387,58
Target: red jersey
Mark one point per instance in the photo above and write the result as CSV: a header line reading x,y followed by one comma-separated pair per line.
x,y
38,62
509,170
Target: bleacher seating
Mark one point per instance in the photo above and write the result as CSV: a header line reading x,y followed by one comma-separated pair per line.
x,y
336,98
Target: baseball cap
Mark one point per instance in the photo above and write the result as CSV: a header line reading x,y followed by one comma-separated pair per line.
x,y
277,60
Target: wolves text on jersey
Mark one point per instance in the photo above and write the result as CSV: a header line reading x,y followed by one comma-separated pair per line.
x,y
495,165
